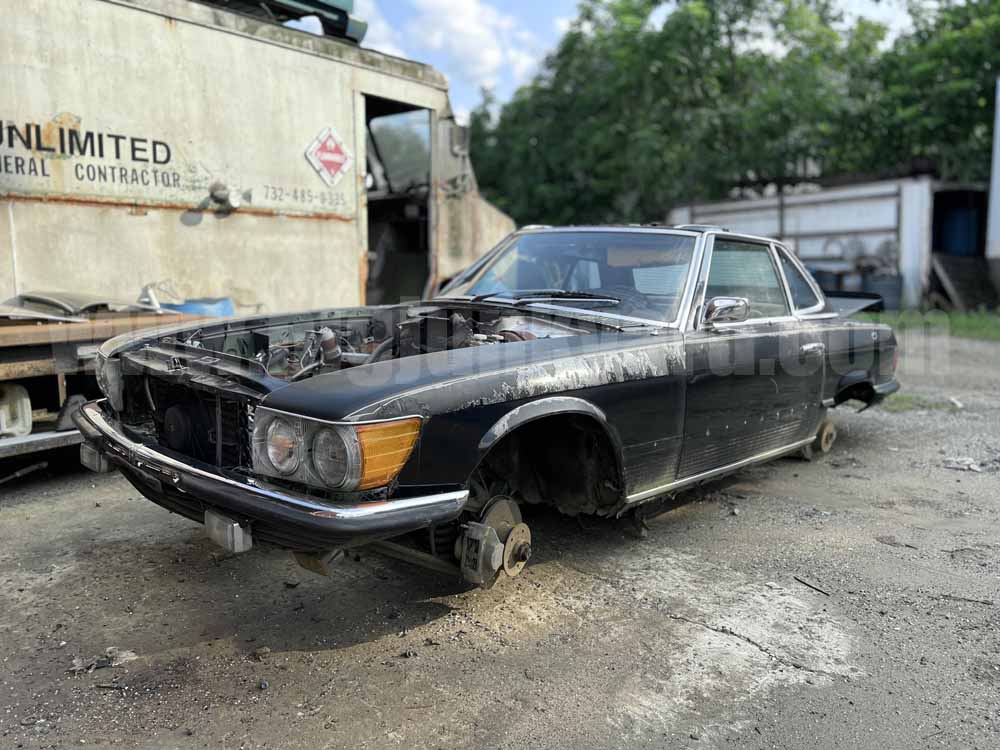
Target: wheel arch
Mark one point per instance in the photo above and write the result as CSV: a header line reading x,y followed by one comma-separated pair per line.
x,y
856,384
550,410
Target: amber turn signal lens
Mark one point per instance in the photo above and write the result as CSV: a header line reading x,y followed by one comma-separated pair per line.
x,y
385,448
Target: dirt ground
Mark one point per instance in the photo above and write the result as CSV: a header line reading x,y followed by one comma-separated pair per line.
x,y
848,602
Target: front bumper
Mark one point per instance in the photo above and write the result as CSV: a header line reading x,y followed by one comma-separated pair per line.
x,y
280,517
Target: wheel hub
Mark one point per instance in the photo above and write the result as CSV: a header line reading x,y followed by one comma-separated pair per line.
x,y
498,543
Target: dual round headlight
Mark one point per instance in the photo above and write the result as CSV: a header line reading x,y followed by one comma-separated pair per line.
x,y
325,448
331,457
283,446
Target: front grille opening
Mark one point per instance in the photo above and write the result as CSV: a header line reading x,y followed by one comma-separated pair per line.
x,y
208,427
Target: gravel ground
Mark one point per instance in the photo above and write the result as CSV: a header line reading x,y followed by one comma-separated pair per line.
x,y
848,602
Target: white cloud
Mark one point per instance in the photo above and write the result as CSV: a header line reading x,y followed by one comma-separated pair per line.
x,y
462,115
658,16
309,24
892,13
522,63
481,42
381,35
561,24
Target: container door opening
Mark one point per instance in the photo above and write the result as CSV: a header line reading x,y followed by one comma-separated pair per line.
x,y
398,183
961,276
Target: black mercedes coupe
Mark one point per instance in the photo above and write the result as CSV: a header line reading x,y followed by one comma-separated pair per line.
x,y
596,369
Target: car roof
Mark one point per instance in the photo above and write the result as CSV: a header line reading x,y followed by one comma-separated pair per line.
x,y
693,230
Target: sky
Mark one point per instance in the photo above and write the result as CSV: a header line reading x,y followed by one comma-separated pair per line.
x,y
499,44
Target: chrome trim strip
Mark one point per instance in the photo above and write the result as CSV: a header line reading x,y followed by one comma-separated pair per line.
x,y
592,312
137,454
818,316
678,484
820,306
341,423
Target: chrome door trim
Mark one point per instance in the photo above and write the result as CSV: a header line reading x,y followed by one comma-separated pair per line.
x,y
638,497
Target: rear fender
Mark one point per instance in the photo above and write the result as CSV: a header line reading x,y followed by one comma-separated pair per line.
x,y
856,384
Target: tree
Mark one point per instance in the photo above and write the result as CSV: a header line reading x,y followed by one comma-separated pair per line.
x,y
939,89
627,119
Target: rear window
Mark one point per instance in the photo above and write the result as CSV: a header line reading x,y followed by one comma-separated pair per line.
x,y
803,296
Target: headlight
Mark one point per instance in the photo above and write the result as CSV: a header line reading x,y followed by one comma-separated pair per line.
x,y
340,456
284,446
335,456
109,380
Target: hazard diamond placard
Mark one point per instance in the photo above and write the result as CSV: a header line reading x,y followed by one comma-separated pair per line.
x,y
329,157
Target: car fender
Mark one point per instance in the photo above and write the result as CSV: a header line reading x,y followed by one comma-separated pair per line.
x,y
549,407
847,383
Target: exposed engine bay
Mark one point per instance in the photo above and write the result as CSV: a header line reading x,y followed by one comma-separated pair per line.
x,y
296,351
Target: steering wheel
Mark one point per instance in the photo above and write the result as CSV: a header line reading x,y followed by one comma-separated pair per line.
x,y
632,300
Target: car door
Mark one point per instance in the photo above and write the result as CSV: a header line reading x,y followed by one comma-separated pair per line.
x,y
747,391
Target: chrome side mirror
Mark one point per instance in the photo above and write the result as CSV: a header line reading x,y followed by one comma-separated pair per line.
x,y
726,310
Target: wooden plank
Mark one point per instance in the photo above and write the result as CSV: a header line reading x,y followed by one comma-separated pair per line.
x,y
61,383
29,369
946,283
96,330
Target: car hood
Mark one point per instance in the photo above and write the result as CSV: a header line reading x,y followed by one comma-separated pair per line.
x,y
452,380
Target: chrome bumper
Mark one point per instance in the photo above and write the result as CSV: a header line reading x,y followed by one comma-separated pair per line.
x,y
281,517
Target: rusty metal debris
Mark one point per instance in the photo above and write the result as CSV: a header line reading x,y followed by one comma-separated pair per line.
x,y
24,472
811,586
892,541
963,463
113,657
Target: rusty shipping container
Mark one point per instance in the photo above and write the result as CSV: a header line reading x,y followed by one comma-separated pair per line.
x,y
166,139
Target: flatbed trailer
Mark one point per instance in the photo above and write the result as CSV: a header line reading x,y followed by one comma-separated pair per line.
x,y
54,361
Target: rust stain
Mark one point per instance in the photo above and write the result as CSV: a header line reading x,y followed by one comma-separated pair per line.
x,y
50,131
137,207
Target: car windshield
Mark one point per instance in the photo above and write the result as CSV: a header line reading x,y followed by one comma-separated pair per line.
x,y
637,274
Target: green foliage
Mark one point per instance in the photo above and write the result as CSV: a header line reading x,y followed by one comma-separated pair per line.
x,y
982,324
626,120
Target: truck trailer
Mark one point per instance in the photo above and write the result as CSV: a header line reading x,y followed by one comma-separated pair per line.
x,y
209,145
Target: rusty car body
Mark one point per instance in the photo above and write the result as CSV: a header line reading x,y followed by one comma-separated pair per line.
x,y
597,369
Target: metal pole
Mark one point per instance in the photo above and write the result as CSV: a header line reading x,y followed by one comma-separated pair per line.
x,y
993,220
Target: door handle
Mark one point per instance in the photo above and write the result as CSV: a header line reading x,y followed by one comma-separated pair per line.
x,y
809,349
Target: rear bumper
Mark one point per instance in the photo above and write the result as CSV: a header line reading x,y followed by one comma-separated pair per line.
x,y
885,389
275,516
879,393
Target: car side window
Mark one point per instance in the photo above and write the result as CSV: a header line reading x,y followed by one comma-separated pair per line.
x,y
743,269
803,296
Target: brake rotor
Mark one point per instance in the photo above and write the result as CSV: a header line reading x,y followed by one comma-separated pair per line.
x,y
517,549
827,436
502,514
